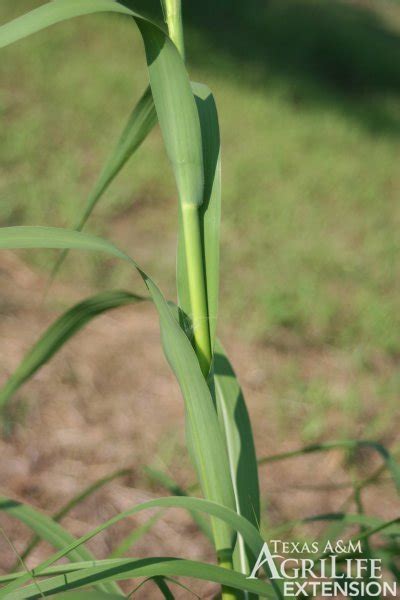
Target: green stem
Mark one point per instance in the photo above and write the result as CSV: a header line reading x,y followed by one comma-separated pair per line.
x,y
173,18
192,229
197,284
228,593
193,244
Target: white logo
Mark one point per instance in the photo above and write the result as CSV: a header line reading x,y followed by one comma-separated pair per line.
x,y
328,576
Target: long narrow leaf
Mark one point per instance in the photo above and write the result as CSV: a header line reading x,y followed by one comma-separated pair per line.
x,y
146,567
172,94
86,596
179,121
54,12
390,461
206,434
78,566
60,332
176,112
50,531
250,534
141,121
65,568
238,434
64,510
346,519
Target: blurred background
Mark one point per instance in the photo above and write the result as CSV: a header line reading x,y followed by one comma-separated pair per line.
x,y
308,97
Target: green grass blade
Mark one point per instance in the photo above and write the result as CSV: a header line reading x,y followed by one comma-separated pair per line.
x,y
88,491
250,533
206,434
146,567
78,566
202,421
163,587
346,519
141,121
391,528
179,120
182,586
87,596
389,460
49,531
236,426
59,332
54,12
172,94
176,112
64,568
210,210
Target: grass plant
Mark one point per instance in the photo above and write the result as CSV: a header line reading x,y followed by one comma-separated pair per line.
x,y
219,434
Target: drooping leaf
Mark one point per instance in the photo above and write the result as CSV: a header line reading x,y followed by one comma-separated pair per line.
x,y
83,594
179,120
49,530
170,85
63,568
86,595
80,497
202,418
347,519
250,534
146,567
141,121
59,332
390,461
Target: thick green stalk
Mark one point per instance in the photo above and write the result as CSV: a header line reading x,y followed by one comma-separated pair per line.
x,y
173,18
194,251
197,284
191,228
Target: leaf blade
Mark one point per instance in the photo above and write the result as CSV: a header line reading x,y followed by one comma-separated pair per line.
x,y
208,442
235,423
140,122
59,332
148,567
50,531
390,461
240,524
80,497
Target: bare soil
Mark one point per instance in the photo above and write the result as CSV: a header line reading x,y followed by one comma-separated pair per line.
x,y
108,400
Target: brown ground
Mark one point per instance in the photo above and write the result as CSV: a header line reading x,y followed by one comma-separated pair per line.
x,y
108,400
